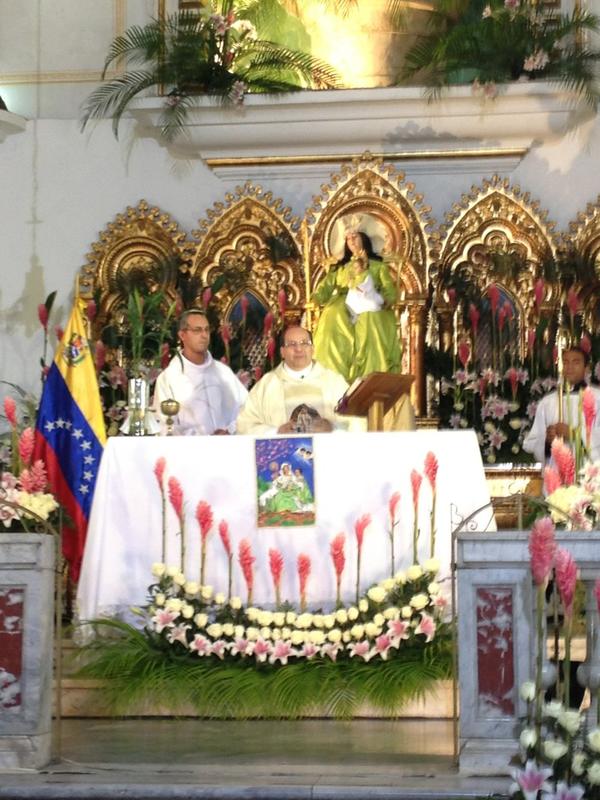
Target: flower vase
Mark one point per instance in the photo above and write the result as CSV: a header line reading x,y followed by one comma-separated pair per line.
x,y
139,418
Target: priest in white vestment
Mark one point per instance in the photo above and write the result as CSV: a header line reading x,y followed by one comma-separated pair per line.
x,y
208,392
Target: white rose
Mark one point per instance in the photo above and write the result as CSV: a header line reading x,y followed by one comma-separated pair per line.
x,y
174,604
553,709
235,603
419,601
334,635
239,631
252,613
400,577
593,738
406,612
414,573
290,617
578,763
527,691
219,598
570,720
346,636
341,616
187,611
329,620
379,620
593,773
276,634
179,579
228,629
527,738
172,571
206,592
191,588
316,637
286,633
158,569
159,599
432,565
304,620
264,618
252,634
279,619
318,621
372,630
388,584
215,631
352,613
297,637
377,594
363,605
554,750
200,620
391,612
357,631
265,633
433,588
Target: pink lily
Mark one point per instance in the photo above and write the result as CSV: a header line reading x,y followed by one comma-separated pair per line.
x,y
200,645
178,634
164,618
218,648
382,645
532,780
361,649
426,626
281,652
262,649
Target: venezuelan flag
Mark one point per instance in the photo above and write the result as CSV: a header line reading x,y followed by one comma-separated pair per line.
x,y
70,433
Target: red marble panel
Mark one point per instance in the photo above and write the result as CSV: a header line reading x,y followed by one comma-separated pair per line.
x,y
495,652
11,646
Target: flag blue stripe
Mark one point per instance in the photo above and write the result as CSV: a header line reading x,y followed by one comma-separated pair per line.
x,y
68,433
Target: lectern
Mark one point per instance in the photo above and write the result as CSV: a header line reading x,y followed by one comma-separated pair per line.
x,y
373,396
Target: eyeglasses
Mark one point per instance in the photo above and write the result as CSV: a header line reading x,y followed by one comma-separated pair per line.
x,y
204,329
298,344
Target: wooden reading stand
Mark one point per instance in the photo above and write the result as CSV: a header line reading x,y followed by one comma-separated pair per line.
x,y
373,396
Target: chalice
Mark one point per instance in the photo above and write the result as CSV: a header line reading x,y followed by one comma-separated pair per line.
x,y
170,408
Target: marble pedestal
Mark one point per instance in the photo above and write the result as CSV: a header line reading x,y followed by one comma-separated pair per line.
x,y
26,649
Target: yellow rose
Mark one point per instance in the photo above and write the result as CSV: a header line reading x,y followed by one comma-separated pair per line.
x,y
341,616
297,637
159,599
377,594
334,635
316,637
219,598
419,601
363,605
372,630
228,629
191,588
235,603
200,620
414,573
279,619
187,611
357,631
158,569
215,631
352,613
432,565
206,592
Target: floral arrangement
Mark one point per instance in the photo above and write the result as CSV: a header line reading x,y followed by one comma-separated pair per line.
x,y
574,504
560,747
24,502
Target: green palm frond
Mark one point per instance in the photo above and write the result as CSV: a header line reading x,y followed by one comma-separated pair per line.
x,y
112,98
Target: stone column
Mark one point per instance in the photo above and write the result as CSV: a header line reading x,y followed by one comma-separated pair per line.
x,y
26,649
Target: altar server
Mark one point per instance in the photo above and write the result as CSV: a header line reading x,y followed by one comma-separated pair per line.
x,y
208,392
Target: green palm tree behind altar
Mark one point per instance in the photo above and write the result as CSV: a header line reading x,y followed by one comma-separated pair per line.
x,y
495,41
213,51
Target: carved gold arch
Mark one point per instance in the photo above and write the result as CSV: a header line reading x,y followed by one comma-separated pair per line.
x,y
583,238
253,234
493,217
143,246
376,198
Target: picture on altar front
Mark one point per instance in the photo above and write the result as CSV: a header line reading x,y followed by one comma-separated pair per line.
x,y
285,485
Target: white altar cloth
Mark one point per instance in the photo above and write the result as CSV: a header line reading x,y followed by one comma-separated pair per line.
x,y
355,474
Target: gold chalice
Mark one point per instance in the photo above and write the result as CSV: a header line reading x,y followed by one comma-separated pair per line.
x,y
170,408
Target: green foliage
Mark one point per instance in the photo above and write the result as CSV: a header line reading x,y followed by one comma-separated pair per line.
x,y
138,669
495,42
215,51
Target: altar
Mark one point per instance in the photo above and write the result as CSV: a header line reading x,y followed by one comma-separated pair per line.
x,y
355,474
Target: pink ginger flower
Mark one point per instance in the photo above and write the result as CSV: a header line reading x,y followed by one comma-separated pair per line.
x,y
392,508
10,411
564,460
99,355
204,517
26,442
573,303
59,333
43,316
542,547
382,645
176,497
512,375
281,652
585,344
552,480
246,561
304,566
482,386
508,310
532,780
225,332
91,310
426,626
361,524
200,645
566,578
431,469
258,373
34,479
415,481
589,412
271,347
224,534
206,297
262,650
281,302
464,352
159,471
276,566
361,649
474,318
502,318
531,339
268,323
538,292
244,303
451,296
493,293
